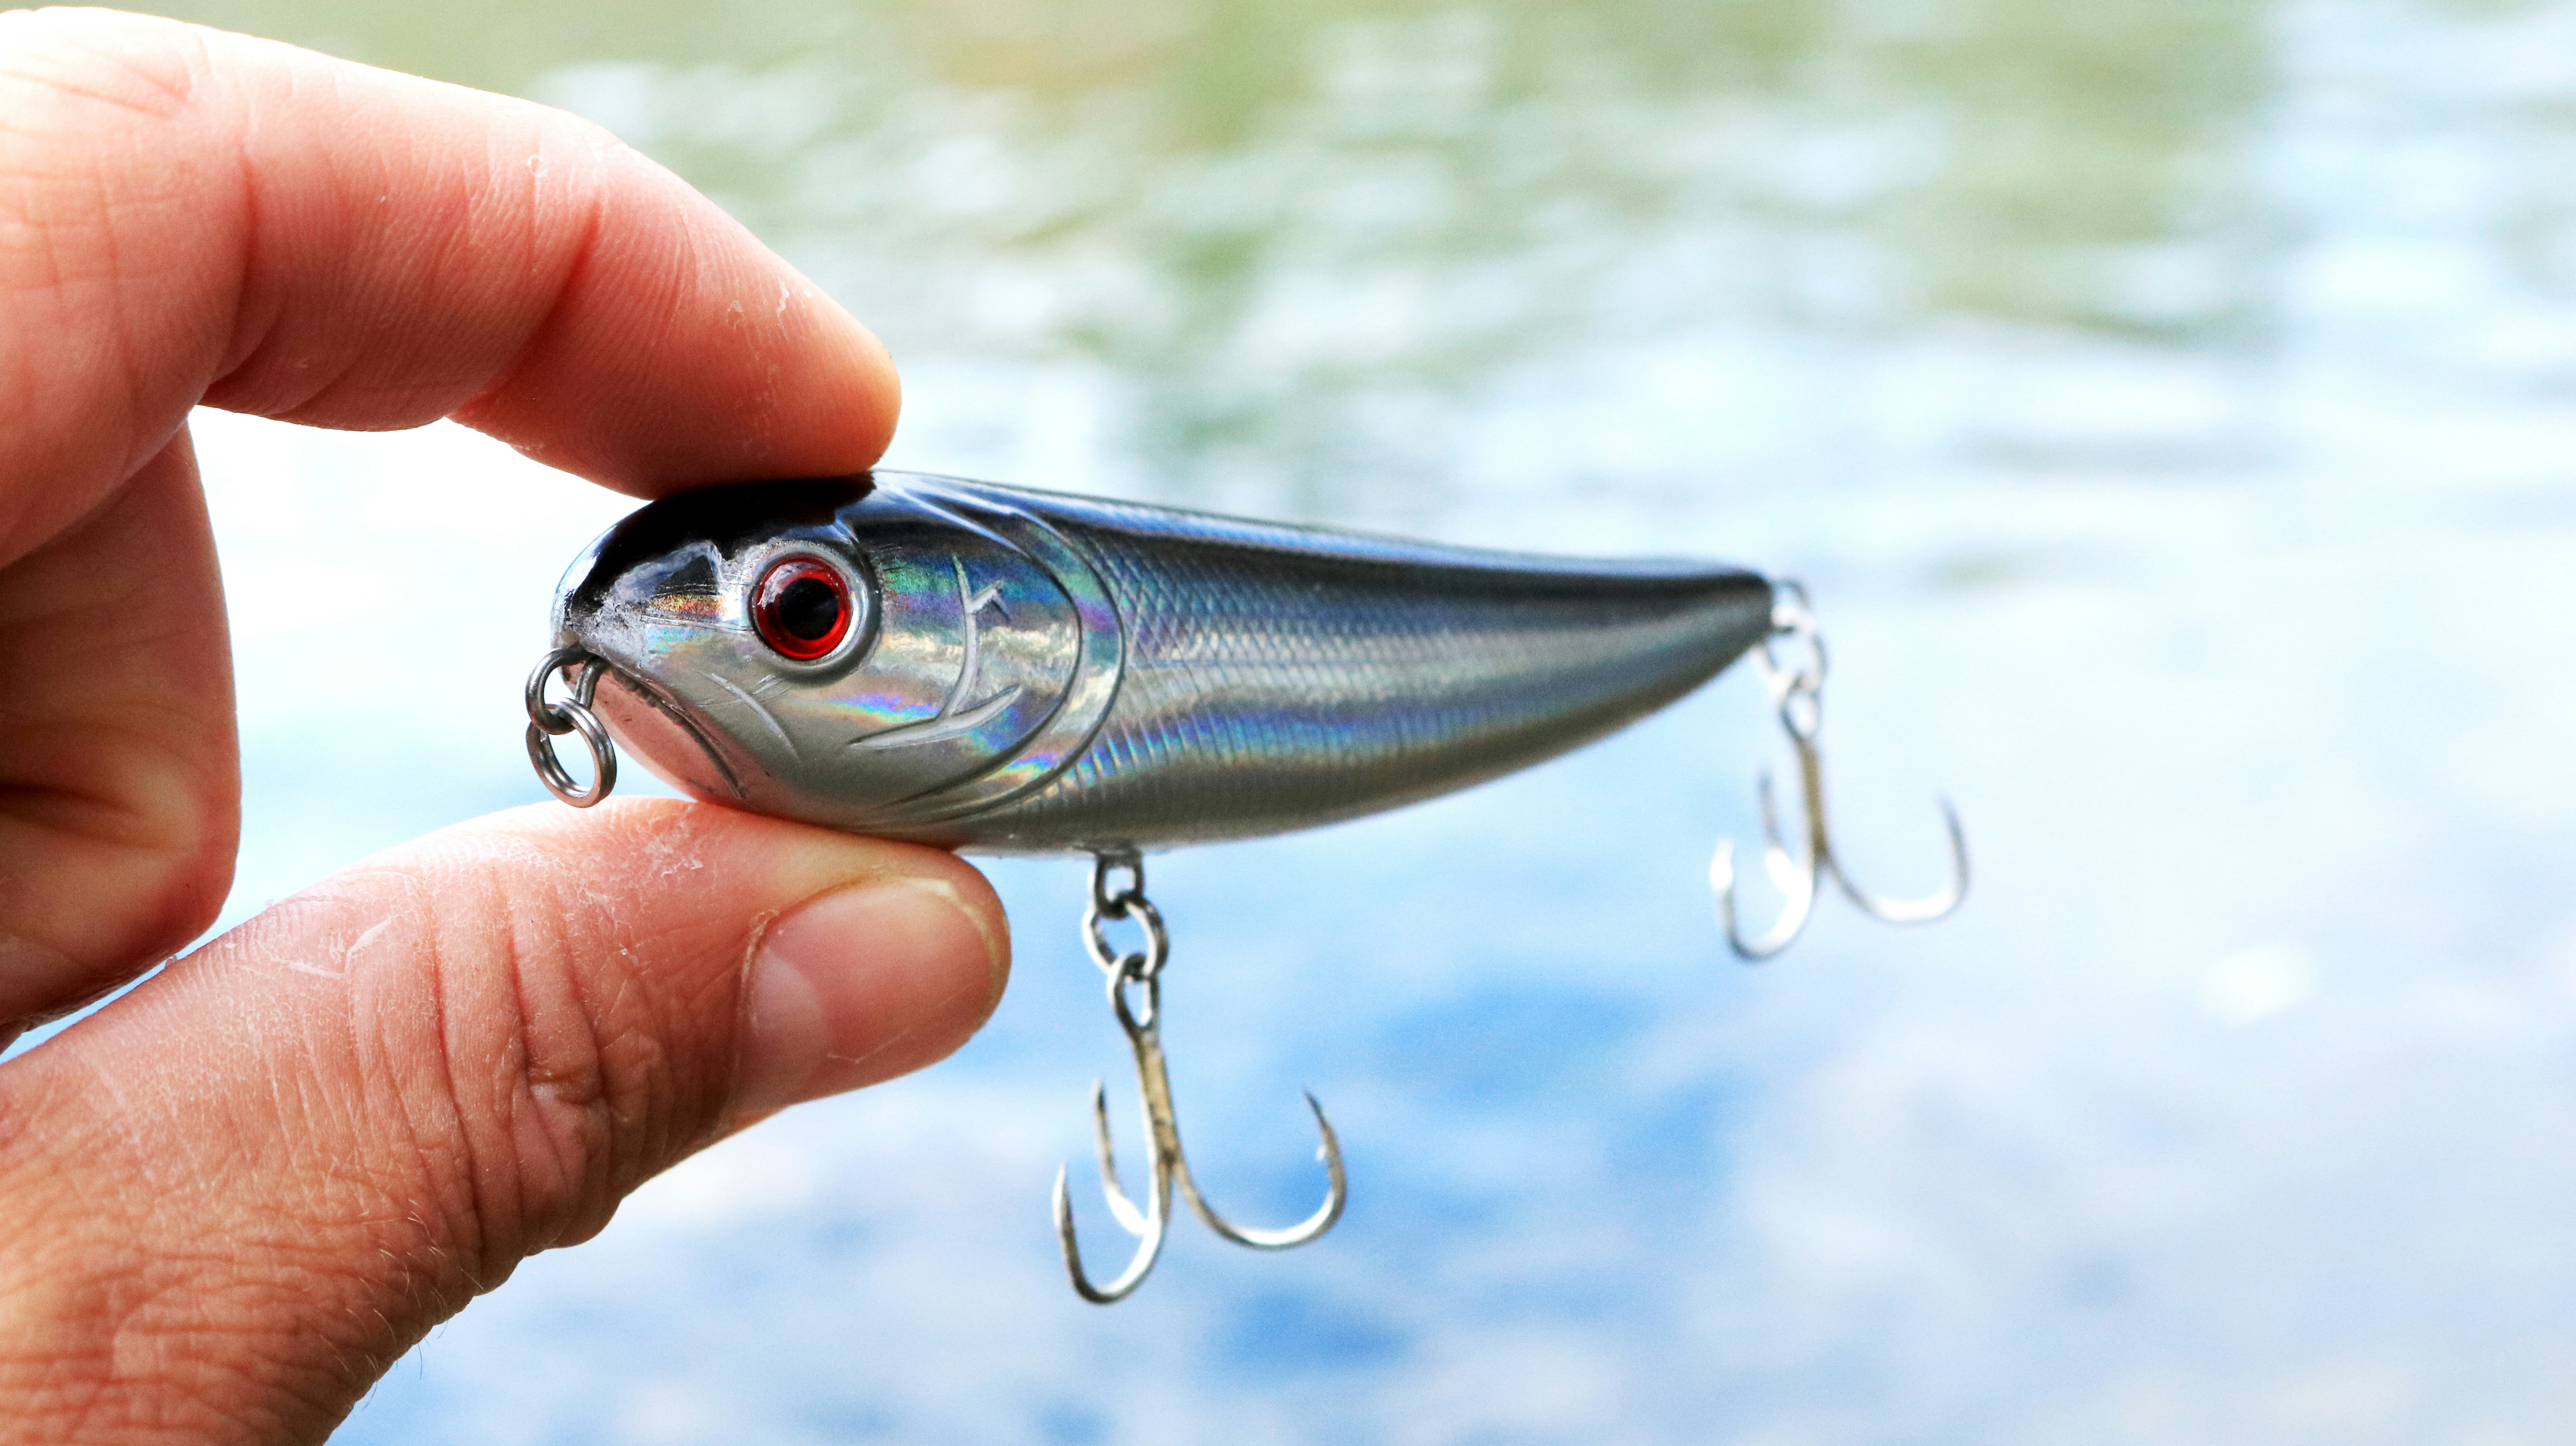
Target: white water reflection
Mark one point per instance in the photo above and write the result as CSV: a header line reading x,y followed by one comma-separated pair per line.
x,y
2170,406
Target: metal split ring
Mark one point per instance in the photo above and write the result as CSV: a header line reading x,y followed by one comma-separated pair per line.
x,y
1797,691
548,721
1143,966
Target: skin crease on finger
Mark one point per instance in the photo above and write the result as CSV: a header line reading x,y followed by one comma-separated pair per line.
x,y
474,1046
230,1198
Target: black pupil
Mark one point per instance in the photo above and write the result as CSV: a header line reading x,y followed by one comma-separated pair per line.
x,y
808,608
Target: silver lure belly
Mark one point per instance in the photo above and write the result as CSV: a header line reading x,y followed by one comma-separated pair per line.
x,y
1032,672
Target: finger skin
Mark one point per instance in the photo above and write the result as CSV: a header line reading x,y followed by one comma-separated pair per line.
x,y
242,1190
192,216
117,779
208,216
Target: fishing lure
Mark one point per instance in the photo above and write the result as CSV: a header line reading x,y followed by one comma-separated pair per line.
x,y
1005,670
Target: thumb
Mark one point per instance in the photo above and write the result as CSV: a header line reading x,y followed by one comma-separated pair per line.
x,y
233,1197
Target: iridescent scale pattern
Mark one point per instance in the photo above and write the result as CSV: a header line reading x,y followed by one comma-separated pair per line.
x,y
1281,678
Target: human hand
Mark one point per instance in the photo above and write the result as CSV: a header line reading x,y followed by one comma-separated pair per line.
x,y
230,1199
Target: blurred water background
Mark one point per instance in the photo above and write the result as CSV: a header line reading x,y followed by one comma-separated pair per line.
x,y
2172,405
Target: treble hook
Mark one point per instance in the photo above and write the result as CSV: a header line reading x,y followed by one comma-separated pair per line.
x,y
1799,695
1154,1088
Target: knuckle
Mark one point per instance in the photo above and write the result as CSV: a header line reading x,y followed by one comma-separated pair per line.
x,y
514,1054
569,1089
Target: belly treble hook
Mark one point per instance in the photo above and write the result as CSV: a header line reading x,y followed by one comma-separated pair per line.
x,y
1144,969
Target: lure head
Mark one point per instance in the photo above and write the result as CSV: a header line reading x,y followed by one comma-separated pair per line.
x,y
863,653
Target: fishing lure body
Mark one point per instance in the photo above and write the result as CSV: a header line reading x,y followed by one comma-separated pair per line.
x,y
1006,670
993,668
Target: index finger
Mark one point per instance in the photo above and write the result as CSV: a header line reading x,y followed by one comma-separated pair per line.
x,y
192,215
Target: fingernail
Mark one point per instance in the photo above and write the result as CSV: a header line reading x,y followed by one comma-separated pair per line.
x,y
860,985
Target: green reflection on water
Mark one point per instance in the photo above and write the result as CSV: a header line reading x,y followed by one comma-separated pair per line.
x,y
1305,239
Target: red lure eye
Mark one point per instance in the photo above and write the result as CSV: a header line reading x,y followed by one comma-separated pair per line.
x,y
802,608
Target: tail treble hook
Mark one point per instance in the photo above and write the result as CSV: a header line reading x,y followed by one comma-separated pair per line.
x,y
1168,1166
1799,696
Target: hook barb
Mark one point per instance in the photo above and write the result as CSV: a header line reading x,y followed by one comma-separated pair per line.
x,y
1914,911
1796,879
1796,882
1336,1195
1149,1247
